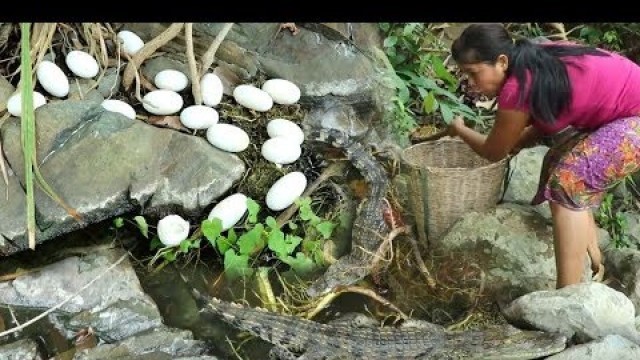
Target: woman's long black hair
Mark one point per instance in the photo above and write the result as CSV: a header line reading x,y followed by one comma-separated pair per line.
x,y
550,89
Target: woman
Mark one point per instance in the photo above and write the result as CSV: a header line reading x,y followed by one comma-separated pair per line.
x,y
583,102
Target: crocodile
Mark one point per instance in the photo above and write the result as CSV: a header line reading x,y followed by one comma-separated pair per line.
x,y
369,227
294,337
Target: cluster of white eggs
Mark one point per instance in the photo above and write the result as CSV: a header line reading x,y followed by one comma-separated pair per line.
x,y
282,147
56,83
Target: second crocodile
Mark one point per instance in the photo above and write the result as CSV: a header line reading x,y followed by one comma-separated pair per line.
x,y
297,338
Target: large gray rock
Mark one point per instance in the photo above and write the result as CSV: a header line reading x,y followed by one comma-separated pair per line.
x,y
114,305
103,164
25,349
610,347
512,244
586,311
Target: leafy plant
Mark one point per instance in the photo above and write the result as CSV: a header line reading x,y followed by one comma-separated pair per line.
x,y
298,243
613,221
424,85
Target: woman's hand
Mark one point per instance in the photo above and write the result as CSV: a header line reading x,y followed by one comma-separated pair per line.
x,y
456,124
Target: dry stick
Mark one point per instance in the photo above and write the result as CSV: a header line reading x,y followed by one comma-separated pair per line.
x,y
4,170
421,265
325,300
210,55
57,306
193,67
147,50
332,170
386,242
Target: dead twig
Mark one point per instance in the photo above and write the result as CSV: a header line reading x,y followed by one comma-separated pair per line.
x,y
147,50
209,56
332,170
326,300
193,66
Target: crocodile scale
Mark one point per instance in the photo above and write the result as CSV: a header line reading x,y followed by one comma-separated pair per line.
x,y
369,226
294,337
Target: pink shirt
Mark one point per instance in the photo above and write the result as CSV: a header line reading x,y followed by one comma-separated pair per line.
x,y
604,89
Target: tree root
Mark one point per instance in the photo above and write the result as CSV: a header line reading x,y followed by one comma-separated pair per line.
x,y
147,50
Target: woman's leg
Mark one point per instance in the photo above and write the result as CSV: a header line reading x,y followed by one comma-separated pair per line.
x,y
593,248
572,230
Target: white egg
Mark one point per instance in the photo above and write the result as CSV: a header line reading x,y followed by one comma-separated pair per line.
x,y
14,104
211,89
253,98
281,150
131,42
52,79
286,190
172,230
230,210
282,91
198,117
162,102
119,106
227,137
82,64
171,80
286,128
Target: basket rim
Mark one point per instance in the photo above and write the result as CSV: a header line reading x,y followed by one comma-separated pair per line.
x,y
488,166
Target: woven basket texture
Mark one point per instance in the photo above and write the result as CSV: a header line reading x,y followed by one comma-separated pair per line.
x,y
448,179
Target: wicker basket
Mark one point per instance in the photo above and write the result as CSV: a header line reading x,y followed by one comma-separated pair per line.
x,y
448,179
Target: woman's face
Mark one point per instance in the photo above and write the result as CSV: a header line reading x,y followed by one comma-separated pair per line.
x,y
487,78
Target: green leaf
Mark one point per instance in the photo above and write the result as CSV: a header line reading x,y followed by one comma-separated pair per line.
x,y
253,208
283,245
185,245
222,244
442,72
142,225
447,114
292,225
251,242
170,256
325,228
236,265
301,264
390,41
211,229
271,223
155,243
408,29
314,249
118,222
429,103
385,26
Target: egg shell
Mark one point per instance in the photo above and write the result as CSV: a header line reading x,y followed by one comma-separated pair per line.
x,y
52,78
211,89
252,97
227,137
282,91
199,117
131,42
162,102
119,106
14,104
281,150
286,190
230,210
286,128
170,79
82,64
172,230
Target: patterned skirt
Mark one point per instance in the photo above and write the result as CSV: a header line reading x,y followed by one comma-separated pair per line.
x,y
580,167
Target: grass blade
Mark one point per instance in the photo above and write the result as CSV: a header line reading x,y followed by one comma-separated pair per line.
x,y
27,125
